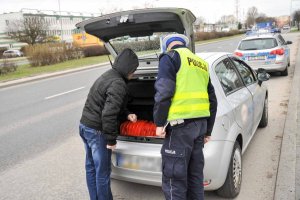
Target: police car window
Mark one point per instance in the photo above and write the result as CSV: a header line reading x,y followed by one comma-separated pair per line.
x,y
258,44
246,73
228,77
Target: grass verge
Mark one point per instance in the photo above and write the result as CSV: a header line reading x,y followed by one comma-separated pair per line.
x,y
26,70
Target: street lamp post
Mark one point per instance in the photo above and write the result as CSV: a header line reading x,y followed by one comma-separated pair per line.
x,y
61,32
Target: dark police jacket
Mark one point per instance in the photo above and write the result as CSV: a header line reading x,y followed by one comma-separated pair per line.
x,y
165,85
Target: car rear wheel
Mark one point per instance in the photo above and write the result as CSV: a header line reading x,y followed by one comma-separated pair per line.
x,y
285,72
264,118
232,185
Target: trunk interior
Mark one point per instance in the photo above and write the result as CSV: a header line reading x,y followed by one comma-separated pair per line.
x,y
141,102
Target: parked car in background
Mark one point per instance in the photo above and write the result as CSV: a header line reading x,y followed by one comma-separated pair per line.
x,y
242,99
286,27
12,53
268,51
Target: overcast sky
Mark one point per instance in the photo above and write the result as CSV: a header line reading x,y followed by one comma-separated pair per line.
x,y
211,10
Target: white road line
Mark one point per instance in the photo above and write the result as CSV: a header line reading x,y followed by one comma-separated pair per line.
x,y
56,95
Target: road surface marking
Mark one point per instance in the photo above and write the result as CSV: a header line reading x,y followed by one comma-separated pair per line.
x,y
56,95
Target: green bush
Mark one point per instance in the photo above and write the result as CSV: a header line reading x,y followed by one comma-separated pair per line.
x,y
199,36
95,50
7,67
2,49
51,53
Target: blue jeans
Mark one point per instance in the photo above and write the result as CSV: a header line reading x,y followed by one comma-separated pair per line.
x,y
97,163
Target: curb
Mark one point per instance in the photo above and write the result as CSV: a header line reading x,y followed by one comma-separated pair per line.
x,y
285,188
49,75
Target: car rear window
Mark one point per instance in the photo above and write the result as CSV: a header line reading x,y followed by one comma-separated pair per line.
x,y
258,44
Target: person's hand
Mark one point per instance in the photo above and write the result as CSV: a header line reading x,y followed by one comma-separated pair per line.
x,y
132,117
111,147
206,139
160,132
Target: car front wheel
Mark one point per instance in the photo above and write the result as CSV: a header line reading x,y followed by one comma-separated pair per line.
x,y
232,185
264,118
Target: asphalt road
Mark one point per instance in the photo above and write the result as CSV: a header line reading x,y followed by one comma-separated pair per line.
x,y
42,156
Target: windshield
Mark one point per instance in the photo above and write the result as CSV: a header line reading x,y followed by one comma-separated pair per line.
x,y
258,44
145,47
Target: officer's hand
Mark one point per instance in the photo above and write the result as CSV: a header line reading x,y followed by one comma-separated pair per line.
x,y
206,139
160,132
132,117
111,147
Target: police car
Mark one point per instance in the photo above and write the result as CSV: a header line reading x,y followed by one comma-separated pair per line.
x,y
265,50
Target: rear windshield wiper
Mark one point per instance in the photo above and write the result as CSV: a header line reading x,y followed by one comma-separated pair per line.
x,y
251,49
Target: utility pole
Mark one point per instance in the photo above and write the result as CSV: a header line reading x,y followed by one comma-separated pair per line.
x,y
61,32
237,4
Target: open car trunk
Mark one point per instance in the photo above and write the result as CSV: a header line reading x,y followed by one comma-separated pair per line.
x,y
141,102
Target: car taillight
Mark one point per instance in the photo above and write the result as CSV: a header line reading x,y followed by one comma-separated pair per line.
x,y
277,52
239,54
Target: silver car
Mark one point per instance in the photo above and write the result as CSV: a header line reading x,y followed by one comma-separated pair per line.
x,y
268,50
12,53
242,98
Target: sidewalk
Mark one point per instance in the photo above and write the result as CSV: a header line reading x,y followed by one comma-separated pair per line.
x,y
288,176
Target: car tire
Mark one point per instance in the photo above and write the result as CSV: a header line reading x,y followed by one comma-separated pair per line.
x,y
285,72
232,186
264,118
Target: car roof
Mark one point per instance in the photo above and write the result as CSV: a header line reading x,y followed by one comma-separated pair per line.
x,y
211,57
262,35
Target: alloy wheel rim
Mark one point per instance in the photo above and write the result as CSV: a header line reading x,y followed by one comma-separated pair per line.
x,y
237,169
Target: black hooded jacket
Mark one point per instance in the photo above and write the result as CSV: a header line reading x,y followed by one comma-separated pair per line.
x,y
107,99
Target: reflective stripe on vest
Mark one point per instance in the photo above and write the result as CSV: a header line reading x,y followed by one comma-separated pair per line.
x,y
191,97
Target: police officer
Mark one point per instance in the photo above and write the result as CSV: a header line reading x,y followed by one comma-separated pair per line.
x,y
185,100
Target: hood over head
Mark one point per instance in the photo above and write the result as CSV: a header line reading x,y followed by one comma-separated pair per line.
x,y
126,62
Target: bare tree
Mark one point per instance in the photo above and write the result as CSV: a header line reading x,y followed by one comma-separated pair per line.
x,y
264,18
198,23
30,30
252,14
296,18
228,19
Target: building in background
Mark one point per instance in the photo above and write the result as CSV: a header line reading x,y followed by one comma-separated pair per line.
x,y
61,24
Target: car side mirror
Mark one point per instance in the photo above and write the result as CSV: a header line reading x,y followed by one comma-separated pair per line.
x,y
288,42
262,76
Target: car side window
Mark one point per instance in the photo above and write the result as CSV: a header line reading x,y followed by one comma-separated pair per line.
x,y
245,72
228,76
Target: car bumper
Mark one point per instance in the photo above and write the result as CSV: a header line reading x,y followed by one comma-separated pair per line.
x,y
217,157
272,67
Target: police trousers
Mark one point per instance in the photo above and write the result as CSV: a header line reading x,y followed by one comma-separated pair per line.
x,y
183,160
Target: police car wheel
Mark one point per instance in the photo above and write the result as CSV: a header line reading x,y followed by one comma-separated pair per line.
x,y
264,118
232,185
285,72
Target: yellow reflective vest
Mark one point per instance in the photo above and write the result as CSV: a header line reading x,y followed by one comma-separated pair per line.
x,y
191,97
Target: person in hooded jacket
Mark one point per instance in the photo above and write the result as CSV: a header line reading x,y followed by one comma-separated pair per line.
x,y
99,124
